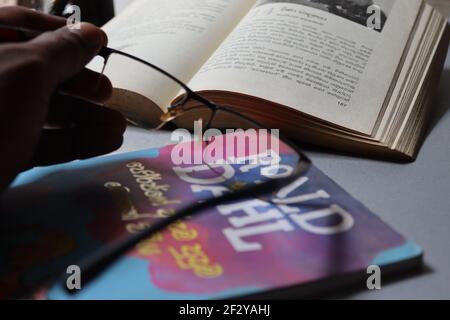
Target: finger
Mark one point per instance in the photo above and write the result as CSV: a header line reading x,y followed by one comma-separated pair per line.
x,y
95,131
65,145
71,111
89,85
67,51
29,19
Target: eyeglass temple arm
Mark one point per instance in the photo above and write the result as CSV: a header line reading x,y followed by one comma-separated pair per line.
x,y
106,52
15,34
95,265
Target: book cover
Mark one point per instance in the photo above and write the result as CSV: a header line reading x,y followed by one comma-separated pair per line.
x,y
312,231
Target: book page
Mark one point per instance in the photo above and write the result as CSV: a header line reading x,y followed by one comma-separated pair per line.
x,y
177,35
315,56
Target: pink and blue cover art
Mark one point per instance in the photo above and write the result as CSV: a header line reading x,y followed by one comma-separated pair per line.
x,y
310,231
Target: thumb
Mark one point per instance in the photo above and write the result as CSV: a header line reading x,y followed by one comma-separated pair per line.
x,y
67,51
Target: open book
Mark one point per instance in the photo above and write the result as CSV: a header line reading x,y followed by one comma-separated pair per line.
x,y
312,68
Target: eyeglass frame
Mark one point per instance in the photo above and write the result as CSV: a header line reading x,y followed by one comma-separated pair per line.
x,y
98,263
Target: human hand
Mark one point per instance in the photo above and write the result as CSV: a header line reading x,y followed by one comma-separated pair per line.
x,y
31,74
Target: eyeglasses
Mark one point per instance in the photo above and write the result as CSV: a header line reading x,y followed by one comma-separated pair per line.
x,y
281,169
275,169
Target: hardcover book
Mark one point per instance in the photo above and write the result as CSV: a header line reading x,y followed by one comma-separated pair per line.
x,y
310,238
357,76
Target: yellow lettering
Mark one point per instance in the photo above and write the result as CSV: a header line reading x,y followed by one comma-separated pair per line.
x,y
181,232
194,258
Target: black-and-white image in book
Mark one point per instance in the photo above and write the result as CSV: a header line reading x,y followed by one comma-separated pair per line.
x,y
353,10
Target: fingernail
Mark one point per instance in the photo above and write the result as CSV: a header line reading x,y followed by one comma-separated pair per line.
x,y
92,35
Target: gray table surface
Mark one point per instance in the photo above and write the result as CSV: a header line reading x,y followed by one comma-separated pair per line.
x,y
413,198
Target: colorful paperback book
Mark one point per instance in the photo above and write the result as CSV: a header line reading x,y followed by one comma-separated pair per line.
x,y
314,237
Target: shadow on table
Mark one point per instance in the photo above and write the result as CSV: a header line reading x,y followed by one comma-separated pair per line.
x,y
343,287
331,153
